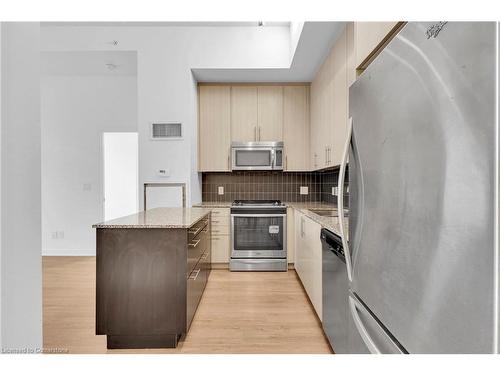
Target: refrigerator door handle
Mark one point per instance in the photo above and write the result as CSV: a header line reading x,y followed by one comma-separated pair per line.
x,y
340,200
354,305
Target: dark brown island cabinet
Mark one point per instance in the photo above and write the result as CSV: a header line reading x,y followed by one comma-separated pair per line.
x,y
151,272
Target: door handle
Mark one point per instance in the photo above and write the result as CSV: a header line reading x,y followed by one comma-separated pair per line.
x,y
340,200
354,306
259,132
255,133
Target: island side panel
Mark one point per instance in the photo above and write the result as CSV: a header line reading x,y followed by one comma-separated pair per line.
x,y
138,272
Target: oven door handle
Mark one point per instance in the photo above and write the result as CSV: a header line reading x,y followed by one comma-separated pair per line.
x,y
258,215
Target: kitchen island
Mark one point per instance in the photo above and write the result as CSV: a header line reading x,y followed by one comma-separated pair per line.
x,y
151,271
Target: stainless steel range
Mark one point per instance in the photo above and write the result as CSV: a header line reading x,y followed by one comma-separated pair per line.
x,y
258,236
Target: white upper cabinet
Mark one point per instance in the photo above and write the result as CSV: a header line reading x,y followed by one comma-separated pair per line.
x,y
296,127
214,128
329,107
368,38
244,119
270,113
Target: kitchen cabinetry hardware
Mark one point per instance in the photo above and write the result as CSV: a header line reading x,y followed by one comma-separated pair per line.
x,y
195,243
195,273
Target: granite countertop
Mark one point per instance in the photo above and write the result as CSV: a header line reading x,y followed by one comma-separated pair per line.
x,y
330,223
327,222
163,217
213,204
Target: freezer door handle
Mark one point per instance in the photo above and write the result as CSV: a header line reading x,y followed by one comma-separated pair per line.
x,y
354,306
370,344
340,200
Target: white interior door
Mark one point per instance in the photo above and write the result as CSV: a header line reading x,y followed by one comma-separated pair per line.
x,y
120,154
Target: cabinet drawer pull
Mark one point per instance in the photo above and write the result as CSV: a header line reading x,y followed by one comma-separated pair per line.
x,y
195,243
215,221
194,232
197,272
204,257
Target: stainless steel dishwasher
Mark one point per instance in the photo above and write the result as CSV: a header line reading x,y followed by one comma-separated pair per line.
x,y
335,291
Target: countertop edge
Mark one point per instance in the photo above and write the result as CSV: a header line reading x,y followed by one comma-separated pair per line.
x,y
111,225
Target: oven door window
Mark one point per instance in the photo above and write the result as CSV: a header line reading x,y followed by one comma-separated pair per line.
x,y
258,233
253,158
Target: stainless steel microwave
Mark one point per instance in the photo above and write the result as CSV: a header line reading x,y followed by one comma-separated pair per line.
x,y
257,156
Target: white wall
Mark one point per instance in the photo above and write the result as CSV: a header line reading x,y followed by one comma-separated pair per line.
x,y
121,168
76,110
21,273
166,88
1,44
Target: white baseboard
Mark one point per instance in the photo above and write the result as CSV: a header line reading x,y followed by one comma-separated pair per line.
x,y
68,253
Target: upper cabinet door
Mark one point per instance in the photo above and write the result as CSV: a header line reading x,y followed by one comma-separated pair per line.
x,y
270,113
214,128
368,37
244,123
339,104
296,127
322,114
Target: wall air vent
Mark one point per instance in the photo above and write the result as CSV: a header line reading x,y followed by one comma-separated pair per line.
x,y
166,131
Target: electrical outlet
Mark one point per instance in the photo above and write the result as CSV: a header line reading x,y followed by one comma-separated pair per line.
x,y
304,190
220,190
57,235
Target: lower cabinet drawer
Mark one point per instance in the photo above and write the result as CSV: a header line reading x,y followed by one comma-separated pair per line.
x,y
220,248
197,247
196,282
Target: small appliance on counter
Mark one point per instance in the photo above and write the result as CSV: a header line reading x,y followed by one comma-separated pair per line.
x,y
258,236
257,156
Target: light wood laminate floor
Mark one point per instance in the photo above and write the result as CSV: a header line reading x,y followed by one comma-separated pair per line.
x,y
240,312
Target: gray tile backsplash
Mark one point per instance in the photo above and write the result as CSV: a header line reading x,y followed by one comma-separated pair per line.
x,y
270,185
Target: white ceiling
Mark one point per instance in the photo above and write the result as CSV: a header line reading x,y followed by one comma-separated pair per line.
x,y
315,42
88,63
167,24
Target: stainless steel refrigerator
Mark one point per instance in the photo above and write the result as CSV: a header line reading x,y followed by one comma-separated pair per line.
x,y
422,187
